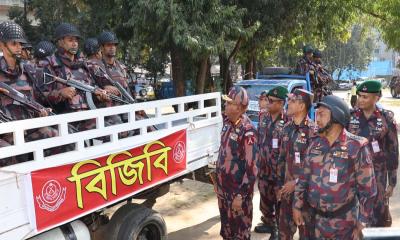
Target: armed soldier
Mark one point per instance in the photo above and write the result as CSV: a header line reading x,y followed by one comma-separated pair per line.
x,y
236,167
67,63
304,64
379,127
270,128
337,186
14,77
320,76
295,140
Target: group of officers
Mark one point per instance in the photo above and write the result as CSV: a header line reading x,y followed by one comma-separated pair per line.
x,y
327,178
35,78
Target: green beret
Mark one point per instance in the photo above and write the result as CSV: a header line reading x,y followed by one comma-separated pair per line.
x,y
370,86
278,92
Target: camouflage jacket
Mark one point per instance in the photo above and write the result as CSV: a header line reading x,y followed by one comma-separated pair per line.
x,y
18,80
61,66
236,165
380,128
117,72
292,152
350,156
269,138
303,66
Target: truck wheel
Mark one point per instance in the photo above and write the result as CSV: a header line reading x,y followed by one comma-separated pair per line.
x,y
118,218
143,224
393,92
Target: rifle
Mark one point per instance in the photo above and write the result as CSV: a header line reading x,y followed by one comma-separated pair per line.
x,y
118,85
83,87
24,100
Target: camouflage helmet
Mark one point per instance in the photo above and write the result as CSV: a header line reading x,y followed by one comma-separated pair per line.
x,y
237,95
91,46
340,112
107,37
66,29
44,49
10,31
27,46
317,53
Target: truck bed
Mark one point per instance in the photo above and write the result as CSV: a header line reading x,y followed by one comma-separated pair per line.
x,y
18,210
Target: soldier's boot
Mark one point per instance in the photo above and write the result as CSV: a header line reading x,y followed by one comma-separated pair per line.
x,y
265,227
274,234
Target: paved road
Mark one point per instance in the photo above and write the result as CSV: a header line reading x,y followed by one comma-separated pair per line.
x,y
191,211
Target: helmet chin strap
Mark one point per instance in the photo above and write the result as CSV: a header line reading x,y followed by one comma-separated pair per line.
x,y
327,127
16,56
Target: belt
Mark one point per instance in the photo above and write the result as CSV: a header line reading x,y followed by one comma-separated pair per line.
x,y
333,214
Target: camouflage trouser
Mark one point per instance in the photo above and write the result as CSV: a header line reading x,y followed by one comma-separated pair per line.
x,y
235,225
268,203
379,205
287,227
341,227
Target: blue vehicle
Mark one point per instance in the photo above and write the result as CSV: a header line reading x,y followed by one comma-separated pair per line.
x,y
254,87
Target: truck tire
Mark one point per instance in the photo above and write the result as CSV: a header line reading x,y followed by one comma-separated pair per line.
x,y
143,224
118,218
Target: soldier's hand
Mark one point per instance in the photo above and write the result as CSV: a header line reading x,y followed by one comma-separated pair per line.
x,y
112,90
68,93
357,232
102,95
43,112
298,217
237,203
3,90
389,192
288,188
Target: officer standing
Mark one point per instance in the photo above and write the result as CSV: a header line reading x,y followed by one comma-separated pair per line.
x,y
270,127
338,184
295,140
379,127
236,169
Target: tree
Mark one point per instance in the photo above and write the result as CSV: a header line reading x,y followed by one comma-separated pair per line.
x,y
354,54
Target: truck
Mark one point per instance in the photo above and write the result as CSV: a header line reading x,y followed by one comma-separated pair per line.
x,y
65,195
265,82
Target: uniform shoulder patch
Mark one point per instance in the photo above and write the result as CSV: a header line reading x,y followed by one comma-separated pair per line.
x,y
361,140
250,137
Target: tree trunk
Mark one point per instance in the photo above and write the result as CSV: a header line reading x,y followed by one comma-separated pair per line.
x,y
177,70
201,75
224,66
250,71
210,85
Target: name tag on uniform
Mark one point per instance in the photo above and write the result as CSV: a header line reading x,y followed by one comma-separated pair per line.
x,y
375,146
333,174
297,157
274,143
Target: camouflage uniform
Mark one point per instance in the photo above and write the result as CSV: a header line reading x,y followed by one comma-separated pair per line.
x,y
321,88
295,140
304,66
269,139
236,172
18,80
380,128
333,201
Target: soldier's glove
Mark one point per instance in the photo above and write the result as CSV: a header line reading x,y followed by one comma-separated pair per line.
x,y
67,93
